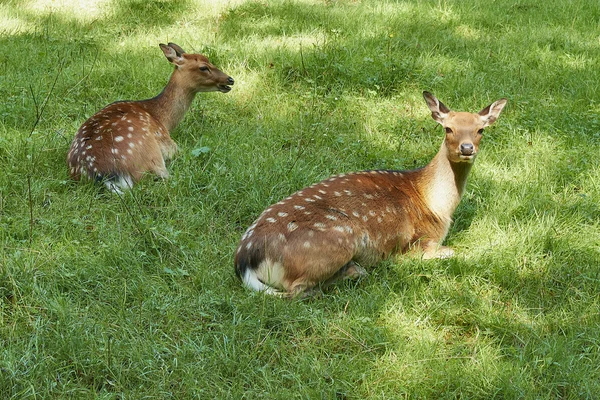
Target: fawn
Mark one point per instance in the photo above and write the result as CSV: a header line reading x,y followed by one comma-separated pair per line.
x,y
126,139
334,228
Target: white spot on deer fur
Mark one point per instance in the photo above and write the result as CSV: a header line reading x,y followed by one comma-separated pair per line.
x,y
129,136
271,220
130,128
322,191
131,144
379,219
88,158
307,212
356,214
298,207
114,124
88,147
129,151
365,218
319,225
368,196
306,245
309,200
249,245
317,197
311,233
348,192
372,213
331,217
339,228
348,229
99,137
114,150
338,194
292,226
281,237
129,120
119,139
282,214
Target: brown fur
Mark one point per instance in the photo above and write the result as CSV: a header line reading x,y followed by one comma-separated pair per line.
x,y
124,140
324,230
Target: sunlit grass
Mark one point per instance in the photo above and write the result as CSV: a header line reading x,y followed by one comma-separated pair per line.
x,y
131,297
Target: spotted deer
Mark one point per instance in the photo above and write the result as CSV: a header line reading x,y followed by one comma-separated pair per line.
x,y
126,139
334,228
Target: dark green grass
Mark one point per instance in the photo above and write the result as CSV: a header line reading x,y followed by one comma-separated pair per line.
x,y
134,297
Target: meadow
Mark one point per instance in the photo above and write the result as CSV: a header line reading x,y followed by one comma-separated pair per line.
x,y
134,297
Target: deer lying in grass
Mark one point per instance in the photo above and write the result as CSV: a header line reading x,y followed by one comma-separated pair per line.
x,y
126,139
332,229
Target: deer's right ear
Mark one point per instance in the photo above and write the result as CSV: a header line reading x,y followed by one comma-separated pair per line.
x,y
439,111
171,54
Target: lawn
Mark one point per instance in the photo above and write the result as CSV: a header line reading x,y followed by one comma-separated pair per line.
x,y
135,296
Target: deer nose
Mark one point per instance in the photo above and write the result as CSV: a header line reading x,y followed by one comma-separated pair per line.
x,y
230,81
466,149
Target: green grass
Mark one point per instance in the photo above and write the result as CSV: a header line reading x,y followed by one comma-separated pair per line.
x,y
135,297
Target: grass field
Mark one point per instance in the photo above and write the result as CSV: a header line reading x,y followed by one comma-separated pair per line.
x,y
135,297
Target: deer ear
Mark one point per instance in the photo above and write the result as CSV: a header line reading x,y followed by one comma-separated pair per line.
x,y
439,112
172,54
177,49
490,114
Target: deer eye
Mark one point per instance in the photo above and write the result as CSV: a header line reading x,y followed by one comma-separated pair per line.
x,y
480,131
448,130
204,68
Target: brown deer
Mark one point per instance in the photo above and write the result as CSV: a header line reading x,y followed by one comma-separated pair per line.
x,y
334,228
126,139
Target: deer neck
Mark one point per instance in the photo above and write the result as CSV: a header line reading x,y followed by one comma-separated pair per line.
x,y
443,183
170,106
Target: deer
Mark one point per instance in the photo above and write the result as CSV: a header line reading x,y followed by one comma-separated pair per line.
x,y
336,228
127,139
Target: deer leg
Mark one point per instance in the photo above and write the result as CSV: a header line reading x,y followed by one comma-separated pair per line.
x,y
168,148
432,250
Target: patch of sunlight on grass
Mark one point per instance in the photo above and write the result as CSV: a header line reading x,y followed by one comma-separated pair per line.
x,y
295,42
216,7
78,9
525,168
410,327
575,61
467,32
444,12
10,25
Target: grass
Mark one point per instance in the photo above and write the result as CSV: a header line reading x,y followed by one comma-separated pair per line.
x,y
135,297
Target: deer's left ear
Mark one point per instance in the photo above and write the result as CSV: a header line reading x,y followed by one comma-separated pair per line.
x,y
172,54
490,114
439,112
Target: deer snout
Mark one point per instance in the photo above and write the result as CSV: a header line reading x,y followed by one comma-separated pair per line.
x,y
226,88
467,149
